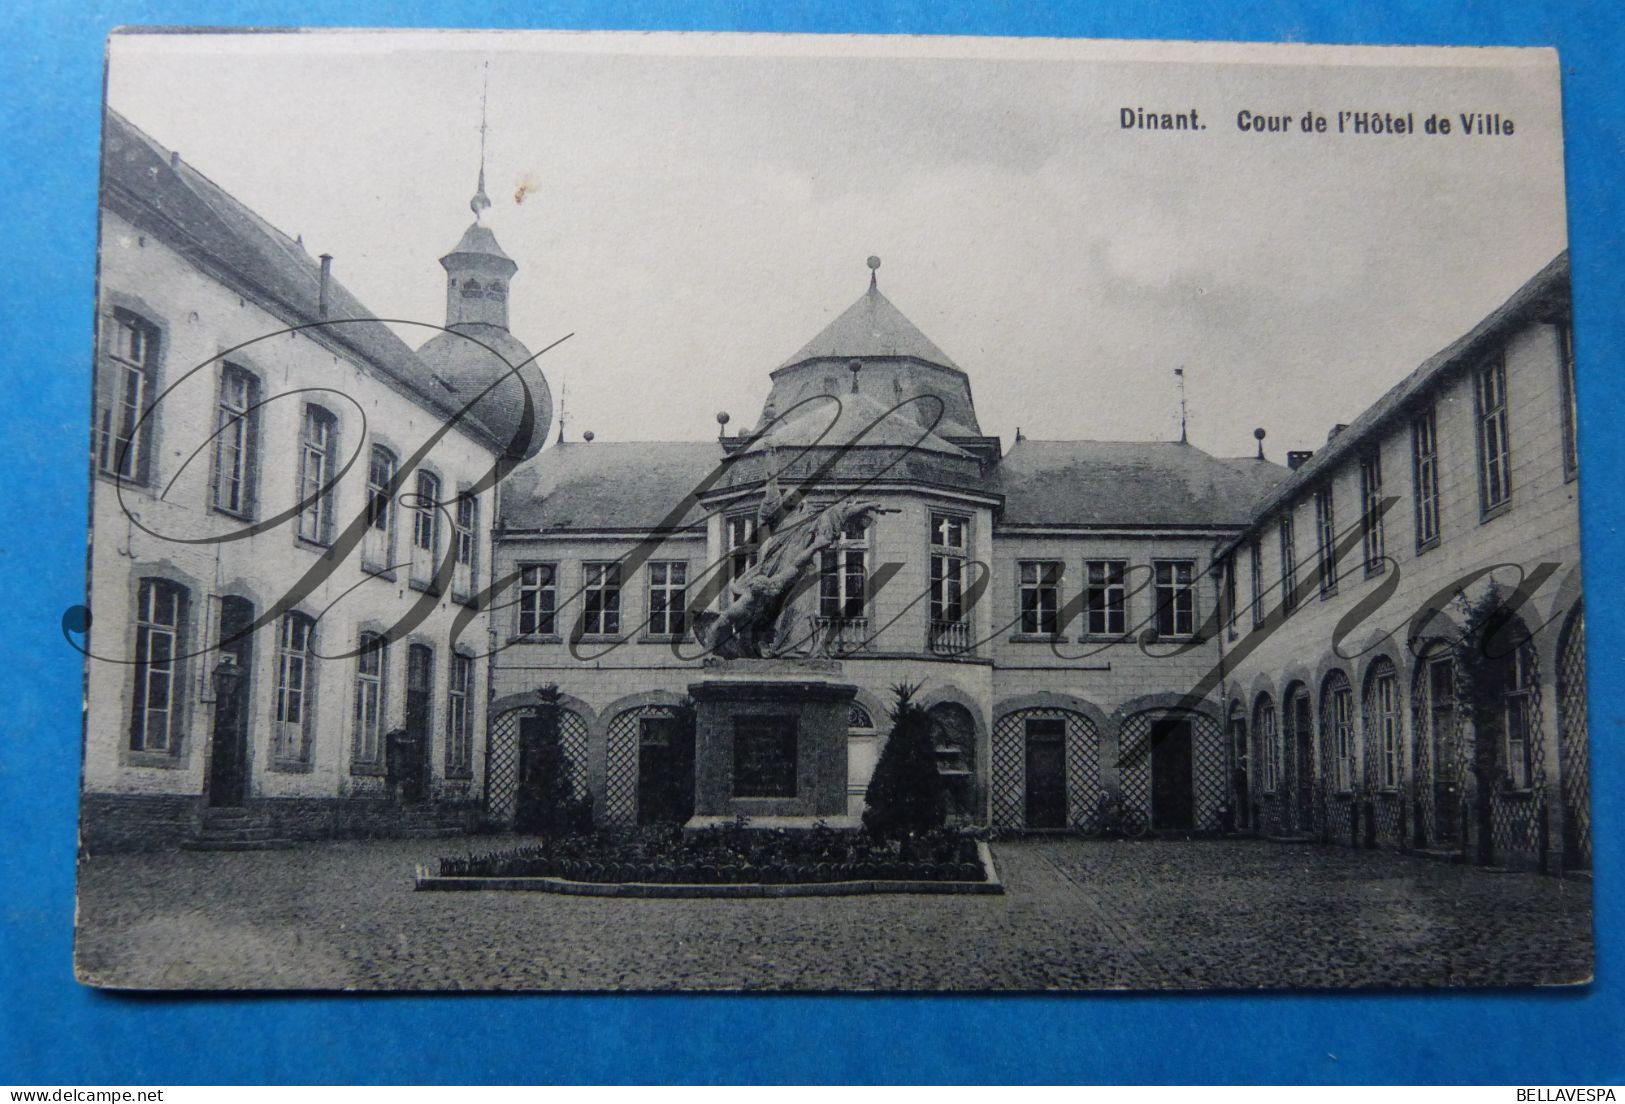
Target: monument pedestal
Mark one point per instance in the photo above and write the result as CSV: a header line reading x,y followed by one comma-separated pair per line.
x,y
770,743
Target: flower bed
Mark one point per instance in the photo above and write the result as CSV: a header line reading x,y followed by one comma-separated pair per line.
x,y
730,856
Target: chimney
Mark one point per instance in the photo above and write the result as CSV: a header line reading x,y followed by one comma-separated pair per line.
x,y
174,159
1336,429
1297,458
327,278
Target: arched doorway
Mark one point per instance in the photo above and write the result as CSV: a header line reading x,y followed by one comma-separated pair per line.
x,y
502,758
1436,748
1384,734
1573,748
1046,768
649,766
1298,740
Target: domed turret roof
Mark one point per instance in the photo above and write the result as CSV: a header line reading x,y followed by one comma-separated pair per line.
x,y
871,327
478,241
478,360
851,419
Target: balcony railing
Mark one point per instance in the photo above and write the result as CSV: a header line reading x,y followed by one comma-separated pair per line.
x,y
950,638
843,635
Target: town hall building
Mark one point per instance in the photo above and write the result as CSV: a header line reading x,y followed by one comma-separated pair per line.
x,y
1083,619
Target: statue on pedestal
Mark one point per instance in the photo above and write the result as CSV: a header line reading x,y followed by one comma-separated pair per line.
x,y
763,616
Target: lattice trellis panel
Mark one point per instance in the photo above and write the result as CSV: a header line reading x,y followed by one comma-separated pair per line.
x,y
1387,806
1422,756
1134,762
1009,767
1209,769
1007,772
1516,817
1287,790
573,739
1574,753
1336,807
502,765
502,759
621,763
1209,783
1083,787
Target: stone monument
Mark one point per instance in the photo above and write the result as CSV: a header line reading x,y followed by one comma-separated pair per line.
x,y
772,708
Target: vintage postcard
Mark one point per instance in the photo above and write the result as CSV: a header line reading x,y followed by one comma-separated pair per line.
x,y
679,511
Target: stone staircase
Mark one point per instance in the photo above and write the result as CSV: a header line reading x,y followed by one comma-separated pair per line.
x,y
427,821
229,828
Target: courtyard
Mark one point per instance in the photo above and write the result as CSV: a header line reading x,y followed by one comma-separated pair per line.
x,y
1230,914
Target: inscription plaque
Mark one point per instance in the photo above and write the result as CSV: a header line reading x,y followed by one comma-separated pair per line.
x,y
764,757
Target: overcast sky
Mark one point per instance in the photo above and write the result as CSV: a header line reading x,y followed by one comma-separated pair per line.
x,y
694,209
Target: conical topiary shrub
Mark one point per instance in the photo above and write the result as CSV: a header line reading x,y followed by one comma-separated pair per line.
x,y
905,795
547,804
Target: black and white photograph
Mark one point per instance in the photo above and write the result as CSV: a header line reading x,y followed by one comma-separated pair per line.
x,y
685,511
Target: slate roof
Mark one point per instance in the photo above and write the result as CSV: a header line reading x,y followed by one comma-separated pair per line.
x,y
856,419
625,485
142,180
1129,484
1546,292
871,327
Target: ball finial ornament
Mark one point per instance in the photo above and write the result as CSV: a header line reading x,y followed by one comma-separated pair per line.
x,y
874,263
588,436
1258,434
722,417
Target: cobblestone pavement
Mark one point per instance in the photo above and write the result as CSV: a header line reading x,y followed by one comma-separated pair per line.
x,y
1146,915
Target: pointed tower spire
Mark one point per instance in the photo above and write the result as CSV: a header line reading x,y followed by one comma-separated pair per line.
x,y
482,202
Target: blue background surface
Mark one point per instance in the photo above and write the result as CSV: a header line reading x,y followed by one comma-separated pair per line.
x,y
53,1032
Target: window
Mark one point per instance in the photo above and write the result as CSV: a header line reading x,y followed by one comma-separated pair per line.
x,y
466,527
1106,599
370,664
124,387
425,528
1340,728
1040,597
1425,477
668,598
155,712
378,543
538,600
1494,451
316,452
295,680
1371,533
1258,583
1268,750
1520,705
1289,565
601,616
1230,594
235,467
948,630
1325,542
1571,411
843,576
459,726
1176,598
741,540
1384,711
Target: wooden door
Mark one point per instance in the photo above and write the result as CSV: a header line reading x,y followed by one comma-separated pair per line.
x,y
1046,772
1173,796
419,720
228,751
